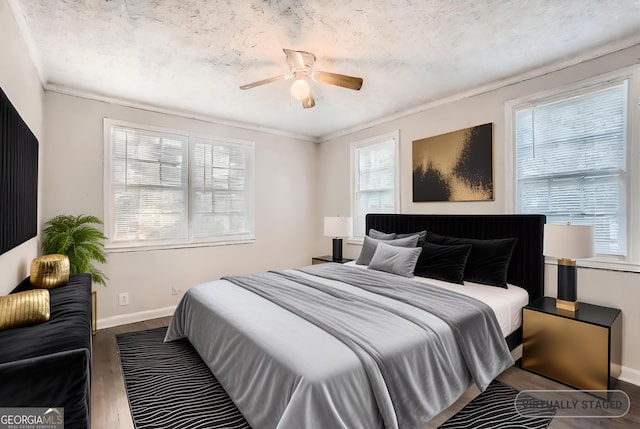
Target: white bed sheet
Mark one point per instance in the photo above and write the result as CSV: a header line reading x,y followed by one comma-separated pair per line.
x,y
506,303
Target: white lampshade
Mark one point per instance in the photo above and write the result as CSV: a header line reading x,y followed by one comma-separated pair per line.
x,y
568,241
338,226
300,89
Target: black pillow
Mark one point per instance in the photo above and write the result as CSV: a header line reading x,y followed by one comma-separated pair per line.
x,y
443,262
488,261
432,237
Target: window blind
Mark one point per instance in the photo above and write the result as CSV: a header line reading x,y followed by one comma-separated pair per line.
x,y
175,189
374,182
149,186
571,163
220,190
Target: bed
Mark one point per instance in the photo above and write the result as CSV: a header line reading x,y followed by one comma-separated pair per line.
x,y
381,352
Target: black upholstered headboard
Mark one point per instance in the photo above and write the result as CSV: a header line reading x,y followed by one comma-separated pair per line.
x,y
526,268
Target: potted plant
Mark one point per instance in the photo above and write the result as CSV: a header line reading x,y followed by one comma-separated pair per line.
x,y
79,240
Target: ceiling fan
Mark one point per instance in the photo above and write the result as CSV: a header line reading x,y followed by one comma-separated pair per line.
x,y
301,63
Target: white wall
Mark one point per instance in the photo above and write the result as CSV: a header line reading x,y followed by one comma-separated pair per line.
x,y
615,289
285,205
19,80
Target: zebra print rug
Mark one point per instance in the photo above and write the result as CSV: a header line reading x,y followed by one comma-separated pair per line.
x,y
169,386
495,408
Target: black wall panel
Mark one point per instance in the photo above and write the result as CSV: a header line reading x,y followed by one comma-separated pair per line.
x,y
18,178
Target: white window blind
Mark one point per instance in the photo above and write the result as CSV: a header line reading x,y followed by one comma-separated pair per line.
x,y
149,186
172,189
374,178
571,163
220,190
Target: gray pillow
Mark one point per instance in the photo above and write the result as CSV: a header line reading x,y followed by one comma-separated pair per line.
x,y
370,244
395,260
422,236
379,235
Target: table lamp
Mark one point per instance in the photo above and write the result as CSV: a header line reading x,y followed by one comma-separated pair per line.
x,y
568,243
337,227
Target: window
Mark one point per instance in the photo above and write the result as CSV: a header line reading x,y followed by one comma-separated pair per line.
x,y
375,179
571,162
171,189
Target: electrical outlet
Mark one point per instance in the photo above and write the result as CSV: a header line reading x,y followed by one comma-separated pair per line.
x,y
175,290
123,298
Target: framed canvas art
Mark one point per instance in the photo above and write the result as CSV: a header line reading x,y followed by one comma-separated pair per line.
x,y
456,166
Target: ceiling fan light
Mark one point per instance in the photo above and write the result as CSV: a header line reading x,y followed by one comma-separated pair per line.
x,y
300,89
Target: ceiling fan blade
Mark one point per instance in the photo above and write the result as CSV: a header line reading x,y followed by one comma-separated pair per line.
x,y
299,60
294,58
269,80
336,79
309,101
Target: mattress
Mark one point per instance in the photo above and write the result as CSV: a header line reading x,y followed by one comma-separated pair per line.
x,y
285,372
506,303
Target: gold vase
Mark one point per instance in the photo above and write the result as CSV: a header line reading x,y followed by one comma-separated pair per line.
x,y
49,271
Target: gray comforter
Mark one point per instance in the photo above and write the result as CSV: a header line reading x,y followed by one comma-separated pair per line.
x,y
418,348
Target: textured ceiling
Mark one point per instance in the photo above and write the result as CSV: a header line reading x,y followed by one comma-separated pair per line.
x,y
192,55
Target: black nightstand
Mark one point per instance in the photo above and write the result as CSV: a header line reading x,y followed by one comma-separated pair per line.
x,y
327,258
582,350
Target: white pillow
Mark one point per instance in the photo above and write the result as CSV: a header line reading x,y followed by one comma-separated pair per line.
x,y
396,260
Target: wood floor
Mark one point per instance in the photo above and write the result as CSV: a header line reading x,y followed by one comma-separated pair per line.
x,y
109,403
110,408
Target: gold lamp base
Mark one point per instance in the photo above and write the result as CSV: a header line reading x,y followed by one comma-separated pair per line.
x,y
570,306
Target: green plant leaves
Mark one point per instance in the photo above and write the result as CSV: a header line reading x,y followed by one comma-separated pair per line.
x,y
78,239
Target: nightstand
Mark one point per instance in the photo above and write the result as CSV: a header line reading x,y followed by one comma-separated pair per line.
x,y
582,350
327,258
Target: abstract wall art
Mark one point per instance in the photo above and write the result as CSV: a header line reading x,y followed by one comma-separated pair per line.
x,y
456,166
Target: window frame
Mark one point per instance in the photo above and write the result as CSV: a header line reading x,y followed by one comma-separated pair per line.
x,y
632,75
393,136
188,242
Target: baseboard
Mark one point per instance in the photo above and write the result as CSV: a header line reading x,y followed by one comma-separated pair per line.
x,y
123,319
630,375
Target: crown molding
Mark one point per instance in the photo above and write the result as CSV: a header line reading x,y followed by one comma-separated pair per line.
x,y
602,51
74,92
61,89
